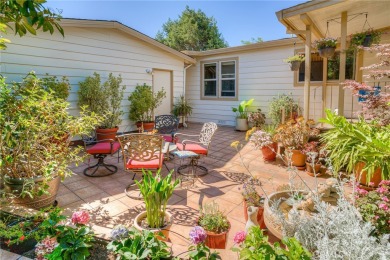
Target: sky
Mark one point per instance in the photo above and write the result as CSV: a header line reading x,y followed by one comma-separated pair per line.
x,y
236,20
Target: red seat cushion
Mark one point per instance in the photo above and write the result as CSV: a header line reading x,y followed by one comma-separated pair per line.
x,y
196,148
153,164
168,138
104,148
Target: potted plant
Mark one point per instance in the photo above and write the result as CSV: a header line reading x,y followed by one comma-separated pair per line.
x,y
283,105
182,109
325,46
142,104
197,249
256,119
34,155
156,191
104,100
313,164
295,61
263,140
365,39
242,115
293,135
252,198
216,225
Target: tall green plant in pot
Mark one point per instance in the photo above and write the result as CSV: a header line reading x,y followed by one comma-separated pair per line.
x,y
156,191
283,105
35,131
143,102
105,100
242,114
182,109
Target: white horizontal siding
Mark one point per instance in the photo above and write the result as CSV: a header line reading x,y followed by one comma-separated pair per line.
x,y
84,51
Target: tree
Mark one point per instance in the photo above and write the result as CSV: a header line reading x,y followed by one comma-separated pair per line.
x,y
192,31
27,16
252,40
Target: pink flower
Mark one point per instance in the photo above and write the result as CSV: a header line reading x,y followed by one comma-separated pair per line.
x,y
385,199
382,190
371,184
197,235
384,182
383,206
80,217
361,191
376,217
239,237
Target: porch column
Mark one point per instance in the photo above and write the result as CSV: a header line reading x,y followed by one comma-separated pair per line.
x,y
306,87
343,59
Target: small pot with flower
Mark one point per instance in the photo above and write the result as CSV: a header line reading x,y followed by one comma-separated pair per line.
x,y
251,197
295,61
325,46
156,191
313,164
197,249
263,140
216,224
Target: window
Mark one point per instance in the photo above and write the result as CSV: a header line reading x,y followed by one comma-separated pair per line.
x,y
333,68
219,79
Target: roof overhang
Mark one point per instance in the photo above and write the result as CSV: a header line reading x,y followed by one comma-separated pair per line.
x,y
318,13
85,23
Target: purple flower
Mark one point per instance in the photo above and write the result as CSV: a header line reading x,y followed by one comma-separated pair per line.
x,y
119,232
197,235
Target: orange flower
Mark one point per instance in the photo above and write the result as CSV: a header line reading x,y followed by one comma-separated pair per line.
x,y
22,238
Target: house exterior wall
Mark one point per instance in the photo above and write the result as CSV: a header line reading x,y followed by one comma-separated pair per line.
x,y
84,51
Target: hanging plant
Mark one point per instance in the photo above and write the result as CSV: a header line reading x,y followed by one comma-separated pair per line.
x,y
325,46
295,61
365,39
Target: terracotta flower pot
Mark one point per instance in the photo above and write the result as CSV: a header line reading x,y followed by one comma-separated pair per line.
x,y
326,52
310,170
298,159
361,176
260,215
164,230
217,241
15,186
268,153
147,126
106,133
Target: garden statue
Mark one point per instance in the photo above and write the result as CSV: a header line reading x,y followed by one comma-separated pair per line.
x,y
252,217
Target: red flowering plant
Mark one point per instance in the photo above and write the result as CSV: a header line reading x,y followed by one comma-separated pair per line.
x,y
374,206
374,100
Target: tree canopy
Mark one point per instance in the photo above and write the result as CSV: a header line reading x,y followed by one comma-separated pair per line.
x,y
252,40
27,16
193,31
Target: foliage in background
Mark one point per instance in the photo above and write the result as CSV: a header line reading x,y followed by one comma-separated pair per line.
x,y
374,206
35,128
241,111
360,39
103,99
192,31
350,143
143,102
60,88
135,244
27,16
252,40
256,246
256,118
212,219
282,101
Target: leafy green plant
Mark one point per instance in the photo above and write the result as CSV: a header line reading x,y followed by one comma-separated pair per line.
x,y
182,108
103,99
143,102
156,191
59,88
297,57
256,247
212,219
350,143
285,102
241,111
139,245
366,38
322,43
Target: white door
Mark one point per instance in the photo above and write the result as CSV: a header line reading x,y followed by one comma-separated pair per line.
x,y
162,79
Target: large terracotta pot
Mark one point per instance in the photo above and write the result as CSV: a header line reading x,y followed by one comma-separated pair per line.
x,y
310,170
15,187
147,126
106,133
241,124
260,215
326,52
298,159
217,241
164,230
361,176
268,153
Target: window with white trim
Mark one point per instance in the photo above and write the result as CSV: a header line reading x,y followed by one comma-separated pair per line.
x,y
219,79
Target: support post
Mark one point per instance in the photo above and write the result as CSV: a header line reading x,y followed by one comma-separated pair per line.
x,y
306,87
343,60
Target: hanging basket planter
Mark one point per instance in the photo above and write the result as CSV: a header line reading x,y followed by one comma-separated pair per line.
x,y
325,46
294,65
326,52
295,61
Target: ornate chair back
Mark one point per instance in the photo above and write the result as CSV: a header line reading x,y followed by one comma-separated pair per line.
x,y
207,132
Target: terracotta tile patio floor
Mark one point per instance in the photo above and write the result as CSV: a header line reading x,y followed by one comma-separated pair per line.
x,y
108,205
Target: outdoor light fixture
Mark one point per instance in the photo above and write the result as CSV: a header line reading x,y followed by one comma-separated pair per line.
x,y
149,71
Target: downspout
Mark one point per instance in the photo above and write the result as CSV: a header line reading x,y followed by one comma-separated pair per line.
x,y
184,86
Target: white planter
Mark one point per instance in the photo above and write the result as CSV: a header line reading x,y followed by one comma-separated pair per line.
x,y
165,230
241,124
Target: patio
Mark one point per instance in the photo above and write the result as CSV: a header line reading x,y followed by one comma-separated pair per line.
x,y
108,205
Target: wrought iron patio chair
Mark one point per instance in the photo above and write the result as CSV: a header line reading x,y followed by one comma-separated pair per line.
x,y
140,152
166,125
100,149
200,147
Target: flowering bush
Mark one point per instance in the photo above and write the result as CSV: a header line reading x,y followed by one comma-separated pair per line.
x,y
197,235
45,247
374,206
119,232
198,250
80,218
260,139
325,43
256,118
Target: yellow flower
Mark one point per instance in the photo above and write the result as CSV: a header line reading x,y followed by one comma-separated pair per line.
x,y
235,144
249,133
